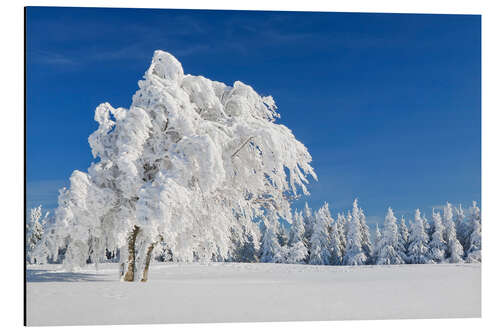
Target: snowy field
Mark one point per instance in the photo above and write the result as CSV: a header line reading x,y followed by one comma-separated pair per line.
x,y
235,292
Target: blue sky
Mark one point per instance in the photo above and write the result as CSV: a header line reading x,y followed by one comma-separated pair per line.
x,y
389,105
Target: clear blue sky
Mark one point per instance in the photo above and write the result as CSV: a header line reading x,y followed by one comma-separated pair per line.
x,y
389,105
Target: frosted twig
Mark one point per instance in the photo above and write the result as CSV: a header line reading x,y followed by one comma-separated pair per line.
x,y
241,147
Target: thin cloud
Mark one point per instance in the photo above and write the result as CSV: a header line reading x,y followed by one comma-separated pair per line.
x,y
438,207
44,192
374,220
51,58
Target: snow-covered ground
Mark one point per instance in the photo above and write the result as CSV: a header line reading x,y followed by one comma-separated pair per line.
x,y
234,292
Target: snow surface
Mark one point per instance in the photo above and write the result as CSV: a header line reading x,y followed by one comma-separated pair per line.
x,y
238,292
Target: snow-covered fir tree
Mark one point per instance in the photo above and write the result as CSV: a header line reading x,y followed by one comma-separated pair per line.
x,y
176,166
427,226
271,250
418,251
454,250
282,235
474,239
336,245
437,245
377,242
297,230
296,252
247,243
354,254
462,227
366,243
320,253
403,238
341,227
388,253
35,233
308,224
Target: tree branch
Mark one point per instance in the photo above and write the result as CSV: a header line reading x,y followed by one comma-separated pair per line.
x,y
241,147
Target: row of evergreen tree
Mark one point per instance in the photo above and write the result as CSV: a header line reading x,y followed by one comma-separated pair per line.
x,y
316,238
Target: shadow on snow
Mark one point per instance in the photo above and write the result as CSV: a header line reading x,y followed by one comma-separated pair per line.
x,y
43,275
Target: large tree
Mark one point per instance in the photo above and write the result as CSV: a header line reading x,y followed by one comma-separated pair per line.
x,y
186,164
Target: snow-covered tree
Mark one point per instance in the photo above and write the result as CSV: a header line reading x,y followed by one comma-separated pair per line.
x,y
354,254
462,227
388,253
336,245
454,250
427,226
296,251
474,239
308,224
162,252
320,253
377,243
403,238
282,235
341,227
35,233
418,251
246,243
297,230
437,245
271,251
188,155
366,243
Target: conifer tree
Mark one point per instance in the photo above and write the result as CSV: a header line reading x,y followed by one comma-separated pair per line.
x,y
427,226
366,243
308,225
341,227
320,252
454,250
247,249
418,251
297,230
35,234
403,239
377,242
354,254
271,251
282,235
388,253
437,245
463,229
297,251
474,250
336,245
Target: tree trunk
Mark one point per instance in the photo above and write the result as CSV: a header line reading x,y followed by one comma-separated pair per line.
x,y
148,260
129,275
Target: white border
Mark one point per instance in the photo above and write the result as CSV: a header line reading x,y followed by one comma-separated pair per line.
x,y
12,161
